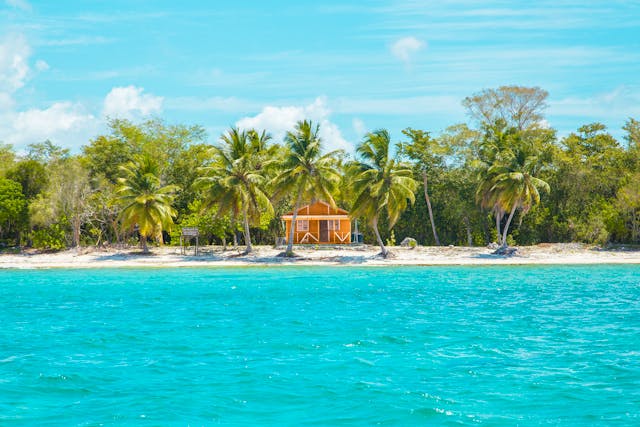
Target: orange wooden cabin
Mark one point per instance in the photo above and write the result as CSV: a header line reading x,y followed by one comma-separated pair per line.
x,y
319,223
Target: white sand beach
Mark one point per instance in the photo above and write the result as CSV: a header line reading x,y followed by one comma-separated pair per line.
x,y
214,256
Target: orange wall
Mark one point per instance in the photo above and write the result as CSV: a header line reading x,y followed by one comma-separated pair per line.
x,y
345,230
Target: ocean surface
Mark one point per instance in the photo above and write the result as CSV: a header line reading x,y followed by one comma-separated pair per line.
x,y
546,345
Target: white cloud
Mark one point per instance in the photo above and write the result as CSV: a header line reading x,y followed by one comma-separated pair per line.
x,y
14,65
406,47
129,102
19,4
64,123
279,120
6,101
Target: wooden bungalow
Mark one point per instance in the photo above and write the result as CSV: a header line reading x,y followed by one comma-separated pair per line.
x,y
319,223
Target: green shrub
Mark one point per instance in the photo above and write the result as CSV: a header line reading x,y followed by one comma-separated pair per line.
x,y
50,238
391,241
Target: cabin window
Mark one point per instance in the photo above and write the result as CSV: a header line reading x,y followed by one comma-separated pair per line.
x,y
302,225
333,224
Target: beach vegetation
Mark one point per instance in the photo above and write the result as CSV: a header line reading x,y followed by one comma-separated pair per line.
x,y
234,182
306,172
382,183
147,204
428,154
504,176
13,210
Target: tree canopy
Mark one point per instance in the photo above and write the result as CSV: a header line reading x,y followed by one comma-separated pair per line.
x,y
505,176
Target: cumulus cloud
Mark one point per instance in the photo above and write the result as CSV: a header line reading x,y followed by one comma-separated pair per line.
x,y
14,63
279,120
64,123
6,101
130,102
406,47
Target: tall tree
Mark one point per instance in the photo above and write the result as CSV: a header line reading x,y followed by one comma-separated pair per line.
x,y
32,175
508,183
519,106
146,202
428,154
305,171
46,152
235,181
13,208
381,182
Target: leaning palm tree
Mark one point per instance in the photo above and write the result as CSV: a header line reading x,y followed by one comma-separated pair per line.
x,y
235,180
509,183
497,141
305,171
381,183
515,187
147,203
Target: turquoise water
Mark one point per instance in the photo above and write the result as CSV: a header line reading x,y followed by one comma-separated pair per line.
x,y
321,346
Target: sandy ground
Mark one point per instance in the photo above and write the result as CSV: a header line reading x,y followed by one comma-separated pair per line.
x,y
347,256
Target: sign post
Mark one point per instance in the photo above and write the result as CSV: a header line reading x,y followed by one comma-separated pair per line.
x,y
185,238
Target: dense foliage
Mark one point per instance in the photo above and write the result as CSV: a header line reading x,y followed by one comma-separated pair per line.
x,y
505,177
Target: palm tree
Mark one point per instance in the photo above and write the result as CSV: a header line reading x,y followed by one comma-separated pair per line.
x,y
305,171
235,180
497,140
146,202
516,187
381,183
509,183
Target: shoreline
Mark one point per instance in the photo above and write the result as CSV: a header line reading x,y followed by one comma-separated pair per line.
x,y
357,256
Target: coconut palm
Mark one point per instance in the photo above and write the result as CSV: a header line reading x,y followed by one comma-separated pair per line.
x,y
515,187
381,183
305,171
147,203
235,180
509,183
497,140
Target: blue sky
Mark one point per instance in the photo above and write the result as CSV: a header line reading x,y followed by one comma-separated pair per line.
x,y
351,66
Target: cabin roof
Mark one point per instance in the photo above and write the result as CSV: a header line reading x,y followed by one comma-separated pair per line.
x,y
318,209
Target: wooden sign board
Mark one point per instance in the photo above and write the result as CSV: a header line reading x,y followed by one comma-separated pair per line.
x,y
190,232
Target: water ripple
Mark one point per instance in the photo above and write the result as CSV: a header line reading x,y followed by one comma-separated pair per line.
x,y
318,346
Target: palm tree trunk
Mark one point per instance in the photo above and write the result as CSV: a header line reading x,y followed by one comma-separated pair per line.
x,y
292,228
233,229
247,234
506,227
498,215
145,248
374,224
426,197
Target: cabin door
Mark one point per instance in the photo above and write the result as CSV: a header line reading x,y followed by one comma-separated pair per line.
x,y
324,231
